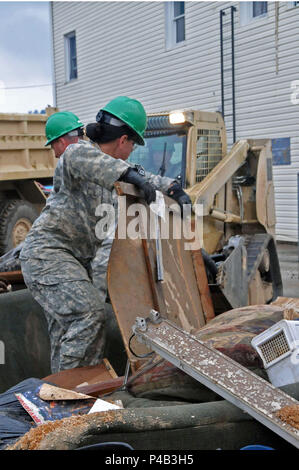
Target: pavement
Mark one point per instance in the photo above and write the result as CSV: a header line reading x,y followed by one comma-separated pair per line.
x,y
288,254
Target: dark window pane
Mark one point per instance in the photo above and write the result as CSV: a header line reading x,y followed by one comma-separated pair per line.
x,y
179,8
73,57
180,29
259,8
72,41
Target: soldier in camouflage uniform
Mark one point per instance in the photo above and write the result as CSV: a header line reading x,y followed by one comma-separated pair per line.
x,y
61,252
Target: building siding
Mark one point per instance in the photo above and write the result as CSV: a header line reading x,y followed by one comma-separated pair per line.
x,y
121,51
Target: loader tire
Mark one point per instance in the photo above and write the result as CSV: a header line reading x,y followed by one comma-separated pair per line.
x,y
16,219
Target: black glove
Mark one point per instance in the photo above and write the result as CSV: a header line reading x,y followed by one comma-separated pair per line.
x,y
176,192
136,176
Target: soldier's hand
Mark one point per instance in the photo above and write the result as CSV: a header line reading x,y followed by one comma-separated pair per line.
x,y
176,192
136,176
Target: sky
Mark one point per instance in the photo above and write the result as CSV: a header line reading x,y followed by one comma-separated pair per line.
x,y
25,56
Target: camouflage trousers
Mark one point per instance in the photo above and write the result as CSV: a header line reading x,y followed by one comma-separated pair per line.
x,y
75,313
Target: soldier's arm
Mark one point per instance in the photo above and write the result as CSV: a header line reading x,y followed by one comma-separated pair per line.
x,y
85,162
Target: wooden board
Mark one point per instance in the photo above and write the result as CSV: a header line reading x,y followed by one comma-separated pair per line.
x,y
132,283
71,378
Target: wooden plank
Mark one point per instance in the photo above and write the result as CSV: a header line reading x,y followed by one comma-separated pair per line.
x,y
52,392
71,378
15,276
203,285
132,284
101,388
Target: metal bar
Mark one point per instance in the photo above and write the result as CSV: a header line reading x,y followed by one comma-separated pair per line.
x,y
224,86
221,56
156,287
227,378
233,9
159,256
126,376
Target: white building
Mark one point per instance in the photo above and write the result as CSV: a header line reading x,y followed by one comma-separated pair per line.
x,y
168,55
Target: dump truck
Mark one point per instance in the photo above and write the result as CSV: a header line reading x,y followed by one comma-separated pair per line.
x,y
26,166
235,190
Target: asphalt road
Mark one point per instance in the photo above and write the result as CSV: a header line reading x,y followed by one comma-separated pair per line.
x,y
289,265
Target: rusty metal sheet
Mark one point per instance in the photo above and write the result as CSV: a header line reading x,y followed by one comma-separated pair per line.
x,y
221,374
132,283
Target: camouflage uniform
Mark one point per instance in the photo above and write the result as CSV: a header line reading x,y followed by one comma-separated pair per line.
x,y
61,255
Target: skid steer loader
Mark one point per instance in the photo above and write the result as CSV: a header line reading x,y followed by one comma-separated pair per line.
x,y
235,189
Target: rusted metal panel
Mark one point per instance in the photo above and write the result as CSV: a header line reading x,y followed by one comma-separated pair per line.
x,y
132,282
224,376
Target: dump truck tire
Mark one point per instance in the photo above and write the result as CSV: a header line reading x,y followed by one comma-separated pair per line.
x,y
16,219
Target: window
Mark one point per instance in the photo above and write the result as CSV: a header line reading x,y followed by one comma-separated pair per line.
x,y
250,11
293,4
259,8
70,56
162,155
175,23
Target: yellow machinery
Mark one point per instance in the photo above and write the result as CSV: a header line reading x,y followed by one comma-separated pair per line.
x,y
236,193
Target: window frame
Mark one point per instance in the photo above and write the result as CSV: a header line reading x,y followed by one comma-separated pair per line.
x,y
246,13
69,58
170,26
291,5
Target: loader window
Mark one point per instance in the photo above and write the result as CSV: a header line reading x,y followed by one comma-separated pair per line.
x,y
163,155
208,152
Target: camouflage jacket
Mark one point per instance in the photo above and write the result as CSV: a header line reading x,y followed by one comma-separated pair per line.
x,y
83,179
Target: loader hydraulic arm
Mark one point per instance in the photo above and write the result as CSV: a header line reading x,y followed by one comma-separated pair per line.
x,y
205,191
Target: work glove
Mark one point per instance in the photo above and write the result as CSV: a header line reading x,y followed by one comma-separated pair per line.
x,y
176,192
136,176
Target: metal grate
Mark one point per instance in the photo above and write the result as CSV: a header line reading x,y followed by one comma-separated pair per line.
x,y
274,347
208,152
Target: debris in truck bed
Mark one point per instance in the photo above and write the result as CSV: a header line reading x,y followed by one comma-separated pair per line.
x,y
31,439
290,415
70,428
83,376
51,392
42,411
290,314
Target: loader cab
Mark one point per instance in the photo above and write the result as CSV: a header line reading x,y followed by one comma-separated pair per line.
x,y
172,139
163,155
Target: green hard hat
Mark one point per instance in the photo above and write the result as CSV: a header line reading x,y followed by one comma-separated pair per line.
x,y
61,123
131,112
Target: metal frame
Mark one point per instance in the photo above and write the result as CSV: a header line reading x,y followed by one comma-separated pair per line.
x,y
222,24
